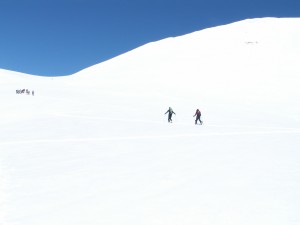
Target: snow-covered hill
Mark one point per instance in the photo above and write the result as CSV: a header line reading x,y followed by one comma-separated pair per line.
x,y
96,148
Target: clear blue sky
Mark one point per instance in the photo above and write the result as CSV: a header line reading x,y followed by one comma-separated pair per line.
x,y
61,37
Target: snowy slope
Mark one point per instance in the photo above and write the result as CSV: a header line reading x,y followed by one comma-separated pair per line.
x,y
95,147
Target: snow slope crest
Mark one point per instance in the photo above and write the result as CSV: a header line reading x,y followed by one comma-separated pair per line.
x,y
248,62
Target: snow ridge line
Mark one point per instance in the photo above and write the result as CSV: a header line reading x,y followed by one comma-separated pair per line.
x,y
164,122
98,139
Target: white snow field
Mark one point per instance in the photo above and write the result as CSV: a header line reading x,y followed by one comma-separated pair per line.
x,y
95,148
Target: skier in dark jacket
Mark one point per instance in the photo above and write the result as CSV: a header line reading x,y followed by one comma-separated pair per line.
x,y
171,112
198,115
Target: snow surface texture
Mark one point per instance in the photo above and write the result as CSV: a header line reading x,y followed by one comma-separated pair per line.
x,y
96,148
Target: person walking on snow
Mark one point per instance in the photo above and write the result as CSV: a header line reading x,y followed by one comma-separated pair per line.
x,y
171,112
198,115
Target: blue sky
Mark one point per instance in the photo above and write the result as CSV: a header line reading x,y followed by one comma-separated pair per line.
x,y
61,37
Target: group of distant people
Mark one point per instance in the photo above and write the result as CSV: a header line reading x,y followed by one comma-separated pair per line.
x,y
25,91
197,114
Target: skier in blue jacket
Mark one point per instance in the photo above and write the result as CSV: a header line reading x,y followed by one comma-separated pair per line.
x,y
171,112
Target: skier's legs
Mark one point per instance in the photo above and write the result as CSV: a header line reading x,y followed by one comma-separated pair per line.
x,y
170,117
198,118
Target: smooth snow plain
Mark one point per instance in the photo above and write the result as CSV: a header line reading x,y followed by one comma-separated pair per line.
x,y
95,147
